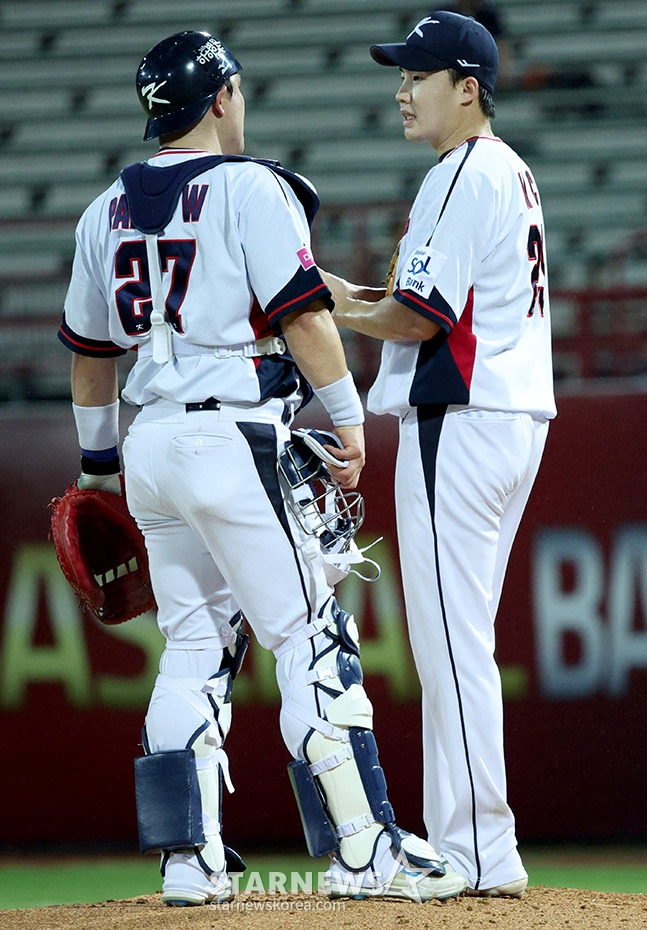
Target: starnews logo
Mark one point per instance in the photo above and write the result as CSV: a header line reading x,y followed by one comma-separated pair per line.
x,y
317,891
303,905
279,883
280,892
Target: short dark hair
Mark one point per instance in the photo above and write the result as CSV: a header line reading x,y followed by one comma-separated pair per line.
x,y
486,100
174,136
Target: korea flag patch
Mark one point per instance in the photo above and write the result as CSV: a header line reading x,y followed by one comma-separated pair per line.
x,y
421,271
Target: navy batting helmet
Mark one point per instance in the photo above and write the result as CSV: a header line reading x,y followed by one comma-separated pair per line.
x,y
179,78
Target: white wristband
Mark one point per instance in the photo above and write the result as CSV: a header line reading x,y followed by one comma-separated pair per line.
x,y
342,402
97,427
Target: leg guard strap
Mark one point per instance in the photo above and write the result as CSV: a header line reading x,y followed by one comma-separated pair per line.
x,y
219,714
314,676
314,722
303,634
351,708
186,689
354,826
332,761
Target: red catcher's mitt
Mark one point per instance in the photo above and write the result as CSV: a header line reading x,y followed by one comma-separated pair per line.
x,y
102,554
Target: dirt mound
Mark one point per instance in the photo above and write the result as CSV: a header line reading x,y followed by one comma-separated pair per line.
x,y
539,909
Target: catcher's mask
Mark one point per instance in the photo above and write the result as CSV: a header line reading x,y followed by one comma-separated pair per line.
x,y
179,78
320,506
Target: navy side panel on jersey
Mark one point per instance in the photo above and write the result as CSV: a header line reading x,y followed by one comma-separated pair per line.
x,y
445,364
278,376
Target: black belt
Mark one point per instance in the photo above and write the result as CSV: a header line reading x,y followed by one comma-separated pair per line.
x,y
211,403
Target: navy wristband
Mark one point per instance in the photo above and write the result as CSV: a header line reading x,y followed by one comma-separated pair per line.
x,y
100,455
101,462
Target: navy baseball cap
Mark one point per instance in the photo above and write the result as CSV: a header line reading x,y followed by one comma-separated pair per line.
x,y
445,40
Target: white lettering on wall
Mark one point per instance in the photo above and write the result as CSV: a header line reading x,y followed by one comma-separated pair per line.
x,y
603,607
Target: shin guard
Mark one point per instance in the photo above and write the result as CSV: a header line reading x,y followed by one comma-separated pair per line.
x,y
354,803
169,804
179,792
319,832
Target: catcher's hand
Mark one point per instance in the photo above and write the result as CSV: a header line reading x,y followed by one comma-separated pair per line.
x,y
112,483
102,554
390,275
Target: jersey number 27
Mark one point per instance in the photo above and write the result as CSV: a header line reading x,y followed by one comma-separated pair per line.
x,y
133,298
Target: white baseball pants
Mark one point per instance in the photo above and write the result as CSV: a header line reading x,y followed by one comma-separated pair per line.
x,y
463,478
204,489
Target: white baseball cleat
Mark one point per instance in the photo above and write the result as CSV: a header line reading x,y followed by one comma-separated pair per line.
x,y
406,883
186,884
393,876
507,890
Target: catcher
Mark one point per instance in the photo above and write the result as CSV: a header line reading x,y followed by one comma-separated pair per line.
x,y
200,260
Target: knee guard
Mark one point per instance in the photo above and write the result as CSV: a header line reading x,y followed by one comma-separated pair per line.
x,y
179,793
339,779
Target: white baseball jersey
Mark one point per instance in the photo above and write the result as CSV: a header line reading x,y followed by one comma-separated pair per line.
x,y
472,259
474,404
234,261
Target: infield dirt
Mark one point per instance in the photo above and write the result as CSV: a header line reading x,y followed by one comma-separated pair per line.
x,y
540,909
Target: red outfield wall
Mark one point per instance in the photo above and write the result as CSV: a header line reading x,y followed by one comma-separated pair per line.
x,y
572,647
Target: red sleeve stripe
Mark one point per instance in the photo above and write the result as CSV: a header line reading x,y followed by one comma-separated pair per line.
x,y
88,347
429,311
298,300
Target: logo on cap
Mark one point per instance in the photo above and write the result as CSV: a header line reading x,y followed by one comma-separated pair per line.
x,y
423,22
149,92
210,50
